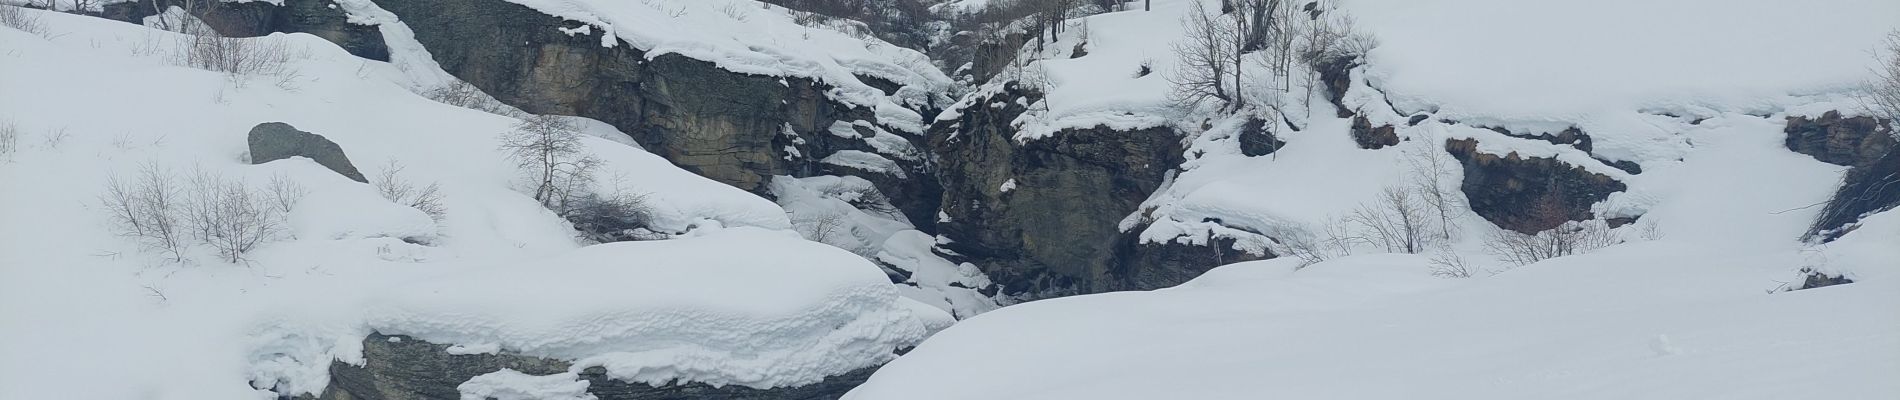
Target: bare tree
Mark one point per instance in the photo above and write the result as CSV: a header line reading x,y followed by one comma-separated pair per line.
x,y
1397,221
1203,56
1884,91
395,188
1428,169
1311,246
550,150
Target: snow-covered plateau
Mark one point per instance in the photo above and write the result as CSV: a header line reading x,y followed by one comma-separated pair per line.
x,y
949,199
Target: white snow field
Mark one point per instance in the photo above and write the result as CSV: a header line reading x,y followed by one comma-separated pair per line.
x,y
88,314
1691,304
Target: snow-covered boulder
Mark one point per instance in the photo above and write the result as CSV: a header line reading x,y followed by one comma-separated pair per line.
x,y
740,306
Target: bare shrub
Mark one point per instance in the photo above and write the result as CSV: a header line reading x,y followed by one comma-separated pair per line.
x,y
1449,264
1570,238
285,193
148,209
1397,221
466,95
17,18
229,216
9,140
238,57
1203,59
610,217
395,188
1314,246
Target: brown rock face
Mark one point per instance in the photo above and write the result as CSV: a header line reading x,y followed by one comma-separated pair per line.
x,y
1528,194
1369,137
1836,140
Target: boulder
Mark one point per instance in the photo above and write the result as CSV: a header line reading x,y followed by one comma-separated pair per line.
x,y
272,141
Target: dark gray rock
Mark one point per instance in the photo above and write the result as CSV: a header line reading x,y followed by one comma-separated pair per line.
x,y
272,141
1528,194
322,18
1256,140
1056,233
405,368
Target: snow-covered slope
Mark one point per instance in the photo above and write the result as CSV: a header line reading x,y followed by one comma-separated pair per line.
x,y
1691,302
92,315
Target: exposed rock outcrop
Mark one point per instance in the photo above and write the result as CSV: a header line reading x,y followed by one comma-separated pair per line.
x,y
1369,137
735,128
272,141
1054,231
322,18
405,368
1528,194
1864,143
1257,140
1839,140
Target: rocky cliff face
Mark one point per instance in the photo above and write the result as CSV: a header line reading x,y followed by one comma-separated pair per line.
x,y
1040,217
735,128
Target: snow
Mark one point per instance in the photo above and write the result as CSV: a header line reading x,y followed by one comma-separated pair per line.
x,y
77,297
1507,58
674,309
1696,307
865,161
821,209
1645,321
508,384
